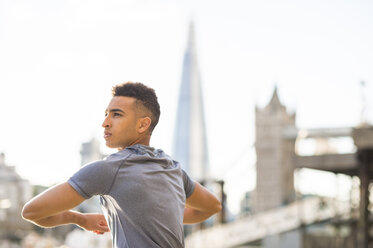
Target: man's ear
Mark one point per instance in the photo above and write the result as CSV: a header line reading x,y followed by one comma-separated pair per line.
x,y
144,124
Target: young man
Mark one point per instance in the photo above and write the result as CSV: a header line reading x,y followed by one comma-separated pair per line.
x,y
145,195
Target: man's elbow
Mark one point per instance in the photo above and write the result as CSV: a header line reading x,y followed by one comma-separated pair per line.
x,y
28,213
216,208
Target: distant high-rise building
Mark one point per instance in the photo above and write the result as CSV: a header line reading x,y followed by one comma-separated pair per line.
x,y
90,151
14,193
274,166
190,142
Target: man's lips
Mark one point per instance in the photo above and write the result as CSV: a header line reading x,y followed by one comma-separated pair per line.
x,y
107,135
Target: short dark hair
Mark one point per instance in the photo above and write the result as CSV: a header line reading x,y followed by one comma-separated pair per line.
x,y
144,95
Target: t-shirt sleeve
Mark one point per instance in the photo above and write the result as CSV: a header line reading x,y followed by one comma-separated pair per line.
x,y
95,178
189,184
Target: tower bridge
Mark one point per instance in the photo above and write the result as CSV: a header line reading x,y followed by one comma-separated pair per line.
x,y
275,207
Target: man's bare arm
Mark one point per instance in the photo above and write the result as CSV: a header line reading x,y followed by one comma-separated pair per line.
x,y
52,208
200,205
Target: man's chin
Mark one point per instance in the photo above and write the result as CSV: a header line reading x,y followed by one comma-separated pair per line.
x,y
110,145
113,146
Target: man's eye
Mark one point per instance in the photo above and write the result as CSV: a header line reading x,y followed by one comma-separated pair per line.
x,y
117,114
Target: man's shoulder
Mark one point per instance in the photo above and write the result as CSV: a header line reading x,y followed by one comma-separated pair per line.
x,y
113,160
117,156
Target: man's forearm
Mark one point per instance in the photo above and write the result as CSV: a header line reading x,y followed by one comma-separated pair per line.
x,y
193,216
67,217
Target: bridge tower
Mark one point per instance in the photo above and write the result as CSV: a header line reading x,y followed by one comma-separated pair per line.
x,y
274,180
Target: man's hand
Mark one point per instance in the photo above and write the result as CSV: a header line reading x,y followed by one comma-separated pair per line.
x,y
91,222
95,223
52,208
200,205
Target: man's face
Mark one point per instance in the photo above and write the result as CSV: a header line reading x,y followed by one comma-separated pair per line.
x,y
120,122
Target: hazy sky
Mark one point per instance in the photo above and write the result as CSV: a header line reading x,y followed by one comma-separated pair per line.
x,y
59,59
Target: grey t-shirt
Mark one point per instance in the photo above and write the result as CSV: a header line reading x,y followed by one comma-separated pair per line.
x,y
142,193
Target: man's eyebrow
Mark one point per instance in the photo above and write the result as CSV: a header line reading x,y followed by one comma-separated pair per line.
x,y
114,110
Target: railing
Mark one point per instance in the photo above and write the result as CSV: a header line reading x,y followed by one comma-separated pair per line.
x,y
256,227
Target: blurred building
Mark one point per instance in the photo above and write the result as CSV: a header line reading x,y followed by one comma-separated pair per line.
x,y
90,152
14,193
190,137
190,143
245,204
274,166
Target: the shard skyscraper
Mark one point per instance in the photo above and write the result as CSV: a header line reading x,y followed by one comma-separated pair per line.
x,y
190,143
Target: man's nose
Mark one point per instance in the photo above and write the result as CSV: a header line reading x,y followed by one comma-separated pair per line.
x,y
106,122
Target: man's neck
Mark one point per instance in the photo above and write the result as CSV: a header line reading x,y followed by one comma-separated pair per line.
x,y
145,140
